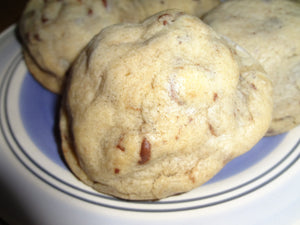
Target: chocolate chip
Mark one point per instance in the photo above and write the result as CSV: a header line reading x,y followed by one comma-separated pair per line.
x,y
253,86
165,19
44,19
90,12
212,130
104,2
215,96
145,152
119,145
37,37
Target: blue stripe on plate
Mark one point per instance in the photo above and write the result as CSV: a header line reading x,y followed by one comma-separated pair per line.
x,y
12,141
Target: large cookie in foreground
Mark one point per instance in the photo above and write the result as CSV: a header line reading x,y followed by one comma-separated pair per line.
x,y
270,31
158,108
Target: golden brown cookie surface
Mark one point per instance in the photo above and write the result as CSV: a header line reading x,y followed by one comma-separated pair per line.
x,y
158,108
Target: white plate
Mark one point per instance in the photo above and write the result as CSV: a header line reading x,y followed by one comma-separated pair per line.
x,y
259,187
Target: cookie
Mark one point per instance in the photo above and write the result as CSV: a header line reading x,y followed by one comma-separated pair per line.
x,y
54,32
158,108
196,8
270,31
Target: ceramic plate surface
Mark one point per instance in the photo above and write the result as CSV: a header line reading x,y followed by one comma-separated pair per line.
x,y
259,187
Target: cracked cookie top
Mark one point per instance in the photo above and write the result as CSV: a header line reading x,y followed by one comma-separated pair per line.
x,y
158,108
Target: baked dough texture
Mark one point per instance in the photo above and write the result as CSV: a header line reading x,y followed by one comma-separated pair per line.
x,y
54,32
270,31
196,8
158,108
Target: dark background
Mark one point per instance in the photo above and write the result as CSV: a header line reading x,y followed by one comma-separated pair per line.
x,y
10,12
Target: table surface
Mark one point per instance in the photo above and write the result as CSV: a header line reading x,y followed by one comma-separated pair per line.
x,y
10,12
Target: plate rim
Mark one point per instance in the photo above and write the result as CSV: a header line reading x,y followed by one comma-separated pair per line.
x,y
3,81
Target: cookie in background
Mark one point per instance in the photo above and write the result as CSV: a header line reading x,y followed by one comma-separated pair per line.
x,y
270,31
54,32
196,8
